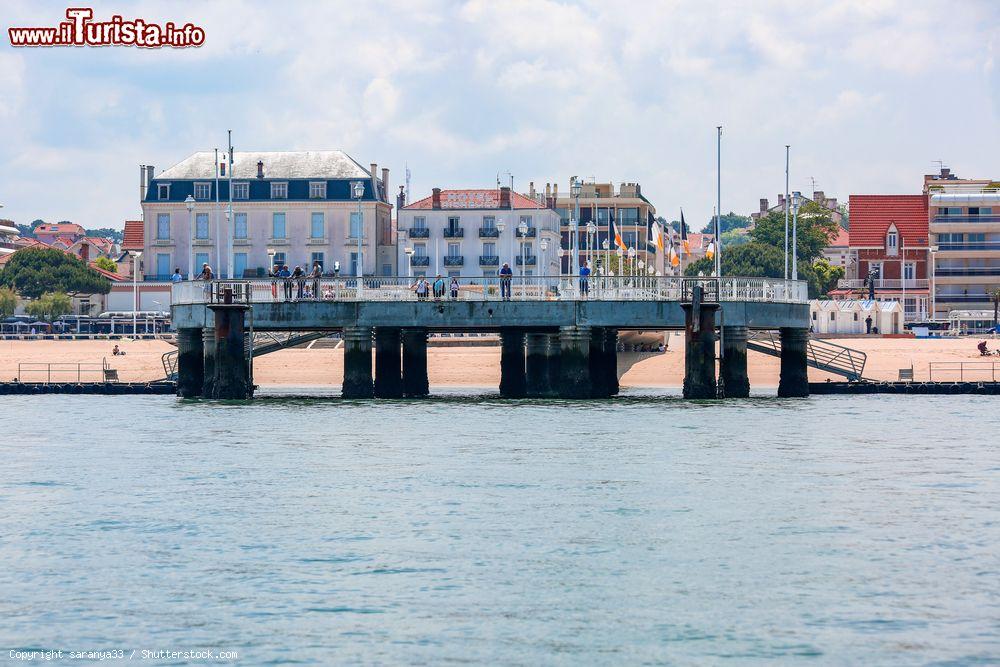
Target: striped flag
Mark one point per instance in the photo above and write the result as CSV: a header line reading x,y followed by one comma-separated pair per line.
x,y
618,237
684,236
710,250
658,231
674,259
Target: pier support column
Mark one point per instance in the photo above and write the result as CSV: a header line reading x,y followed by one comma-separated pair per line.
x,y
733,367
553,362
358,363
512,380
794,381
574,362
209,355
699,348
536,373
190,363
415,382
388,365
598,363
231,377
611,361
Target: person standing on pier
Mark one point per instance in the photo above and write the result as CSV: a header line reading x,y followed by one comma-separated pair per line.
x,y
286,279
454,287
505,277
584,279
421,289
299,276
316,274
206,272
177,277
438,287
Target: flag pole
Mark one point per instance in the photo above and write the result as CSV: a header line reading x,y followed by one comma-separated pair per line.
x,y
218,237
231,222
718,205
786,210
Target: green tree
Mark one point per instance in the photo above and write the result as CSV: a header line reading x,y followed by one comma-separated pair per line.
x,y
50,305
106,264
730,221
759,260
8,301
826,276
814,230
35,271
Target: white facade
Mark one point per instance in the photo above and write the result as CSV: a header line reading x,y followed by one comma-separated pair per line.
x,y
466,241
848,316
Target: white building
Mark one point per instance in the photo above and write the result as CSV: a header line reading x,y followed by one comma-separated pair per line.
x,y
848,316
474,232
289,207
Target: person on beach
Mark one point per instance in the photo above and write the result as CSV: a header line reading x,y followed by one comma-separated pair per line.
x,y
177,277
316,274
118,352
286,279
454,287
421,289
298,275
506,274
438,287
868,324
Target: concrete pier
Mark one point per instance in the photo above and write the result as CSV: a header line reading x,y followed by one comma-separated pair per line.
x,y
537,379
794,380
512,370
358,363
190,362
599,361
553,362
574,362
388,363
415,383
733,377
231,377
209,355
699,348
611,361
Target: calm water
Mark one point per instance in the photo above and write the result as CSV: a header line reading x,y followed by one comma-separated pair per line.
x,y
836,530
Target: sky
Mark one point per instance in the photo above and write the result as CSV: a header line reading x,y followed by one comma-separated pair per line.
x,y
869,95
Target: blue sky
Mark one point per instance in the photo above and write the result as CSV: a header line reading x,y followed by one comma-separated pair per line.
x,y
868,94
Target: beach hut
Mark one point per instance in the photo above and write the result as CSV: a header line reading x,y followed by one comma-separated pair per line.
x,y
823,316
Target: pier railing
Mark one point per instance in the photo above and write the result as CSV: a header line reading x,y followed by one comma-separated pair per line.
x,y
963,371
490,288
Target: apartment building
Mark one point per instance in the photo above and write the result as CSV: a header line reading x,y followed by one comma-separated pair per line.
x,y
473,232
964,223
289,207
599,203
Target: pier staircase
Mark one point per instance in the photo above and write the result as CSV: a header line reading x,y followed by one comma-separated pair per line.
x,y
260,342
820,354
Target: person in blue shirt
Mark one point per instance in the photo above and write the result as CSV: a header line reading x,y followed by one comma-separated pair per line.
x,y
286,277
177,277
505,277
584,279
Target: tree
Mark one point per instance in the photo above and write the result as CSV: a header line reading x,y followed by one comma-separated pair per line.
x,y
8,301
116,235
814,231
826,276
730,221
50,305
759,260
35,271
106,264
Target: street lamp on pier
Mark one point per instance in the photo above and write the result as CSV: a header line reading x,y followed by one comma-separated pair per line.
x,y
136,256
408,251
189,205
523,231
357,192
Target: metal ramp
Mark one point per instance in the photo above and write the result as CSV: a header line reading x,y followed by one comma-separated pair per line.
x,y
259,342
820,354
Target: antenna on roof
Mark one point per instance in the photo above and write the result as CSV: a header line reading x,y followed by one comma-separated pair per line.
x,y
406,166
813,179
939,163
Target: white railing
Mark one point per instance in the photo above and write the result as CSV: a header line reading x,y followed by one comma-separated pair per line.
x,y
883,283
492,288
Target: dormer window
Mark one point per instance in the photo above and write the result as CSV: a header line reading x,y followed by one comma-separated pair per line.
x,y
241,191
203,191
163,191
279,190
892,241
317,190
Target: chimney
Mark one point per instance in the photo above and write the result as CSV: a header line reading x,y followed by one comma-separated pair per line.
x,y
142,182
149,174
763,205
555,191
436,198
531,189
505,197
385,180
400,200
260,169
548,190
946,172
781,201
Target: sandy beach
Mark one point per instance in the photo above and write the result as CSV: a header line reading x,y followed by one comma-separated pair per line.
x,y
456,366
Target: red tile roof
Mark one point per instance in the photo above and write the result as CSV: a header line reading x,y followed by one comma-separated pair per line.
x,y
871,216
134,235
484,199
113,277
841,240
103,243
62,228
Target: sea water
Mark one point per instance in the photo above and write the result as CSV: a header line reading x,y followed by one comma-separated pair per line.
x,y
830,530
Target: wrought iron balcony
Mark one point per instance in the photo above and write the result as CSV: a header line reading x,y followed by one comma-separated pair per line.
x,y
531,233
489,260
454,260
420,260
882,283
946,219
528,260
454,232
419,233
489,233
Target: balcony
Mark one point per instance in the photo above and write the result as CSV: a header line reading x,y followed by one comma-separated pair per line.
x,y
489,260
489,233
420,260
948,219
527,260
963,298
974,245
883,283
419,233
454,260
454,232
531,233
971,271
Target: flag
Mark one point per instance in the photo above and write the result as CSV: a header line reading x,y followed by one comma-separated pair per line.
x,y
710,250
658,231
618,237
674,259
684,236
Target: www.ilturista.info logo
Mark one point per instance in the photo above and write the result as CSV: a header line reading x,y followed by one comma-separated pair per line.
x,y
81,30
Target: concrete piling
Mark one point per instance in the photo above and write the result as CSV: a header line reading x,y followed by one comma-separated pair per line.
x,y
388,363
512,370
574,362
537,380
415,383
209,355
794,380
190,363
699,348
231,376
735,383
358,363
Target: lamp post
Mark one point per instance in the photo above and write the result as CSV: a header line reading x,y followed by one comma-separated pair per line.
x,y
189,205
631,259
523,231
136,256
575,188
408,251
591,230
796,202
357,192
543,245
500,225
